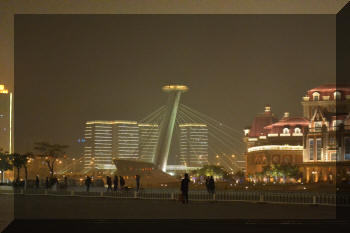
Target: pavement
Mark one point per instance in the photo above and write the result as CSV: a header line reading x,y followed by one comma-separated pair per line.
x,y
56,207
6,210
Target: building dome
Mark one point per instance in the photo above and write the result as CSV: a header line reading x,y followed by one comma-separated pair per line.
x,y
260,121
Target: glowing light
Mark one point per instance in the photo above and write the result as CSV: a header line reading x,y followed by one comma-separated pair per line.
x,y
111,122
3,90
192,124
175,88
274,147
252,139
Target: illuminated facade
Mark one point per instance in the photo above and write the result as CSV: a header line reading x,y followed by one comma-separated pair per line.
x,y
149,134
327,142
6,128
274,141
105,140
193,145
6,138
318,143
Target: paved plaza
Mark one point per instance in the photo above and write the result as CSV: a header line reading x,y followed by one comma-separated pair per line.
x,y
55,207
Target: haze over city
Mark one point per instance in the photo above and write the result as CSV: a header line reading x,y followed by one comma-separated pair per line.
x,y
74,68
139,111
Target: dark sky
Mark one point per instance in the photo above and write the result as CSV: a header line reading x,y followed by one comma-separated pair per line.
x,y
74,68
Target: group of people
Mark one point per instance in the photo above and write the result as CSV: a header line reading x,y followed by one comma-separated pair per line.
x,y
209,183
50,183
116,182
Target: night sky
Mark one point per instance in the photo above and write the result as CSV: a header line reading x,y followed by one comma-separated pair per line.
x,y
74,68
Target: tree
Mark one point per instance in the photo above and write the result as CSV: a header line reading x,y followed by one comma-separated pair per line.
x,y
51,152
210,170
26,158
18,161
281,170
5,164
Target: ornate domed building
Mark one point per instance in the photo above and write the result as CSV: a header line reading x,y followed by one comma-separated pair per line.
x,y
277,142
318,143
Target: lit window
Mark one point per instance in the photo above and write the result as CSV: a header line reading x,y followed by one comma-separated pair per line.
x,y
311,149
333,156
347,148
337,95
319,148
318,125
297,130
316,96
285,131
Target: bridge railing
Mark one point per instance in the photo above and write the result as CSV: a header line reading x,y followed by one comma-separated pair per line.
x,y
200,195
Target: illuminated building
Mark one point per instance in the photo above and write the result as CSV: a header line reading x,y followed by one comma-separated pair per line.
x,y
105,140
193,145
6,128
148,141
327,142
318,143
6,120
270,141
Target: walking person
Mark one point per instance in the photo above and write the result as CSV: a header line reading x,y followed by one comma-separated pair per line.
x,y
109,183
115,183
88,183
212,186
65,182
137,183
47,184
37,182
122,182
184,188
54,184
207,179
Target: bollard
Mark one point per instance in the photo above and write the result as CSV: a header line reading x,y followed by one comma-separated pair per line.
x,y
214,197
261,198
101,194
172,196
313,199
72,193
135,194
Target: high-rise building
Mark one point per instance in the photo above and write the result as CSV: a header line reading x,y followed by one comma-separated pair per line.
x,y
193,145
6,120
105,140
149,134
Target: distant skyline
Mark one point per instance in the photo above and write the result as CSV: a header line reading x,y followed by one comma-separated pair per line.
x,y
73,68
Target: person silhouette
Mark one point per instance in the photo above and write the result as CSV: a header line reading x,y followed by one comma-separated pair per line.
x,y
122,182
88,183
212,185
109,183
184,188
47,183
137,183
37,182
115,183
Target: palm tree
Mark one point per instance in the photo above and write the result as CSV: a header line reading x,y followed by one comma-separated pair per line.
x,y
51,152
5,164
